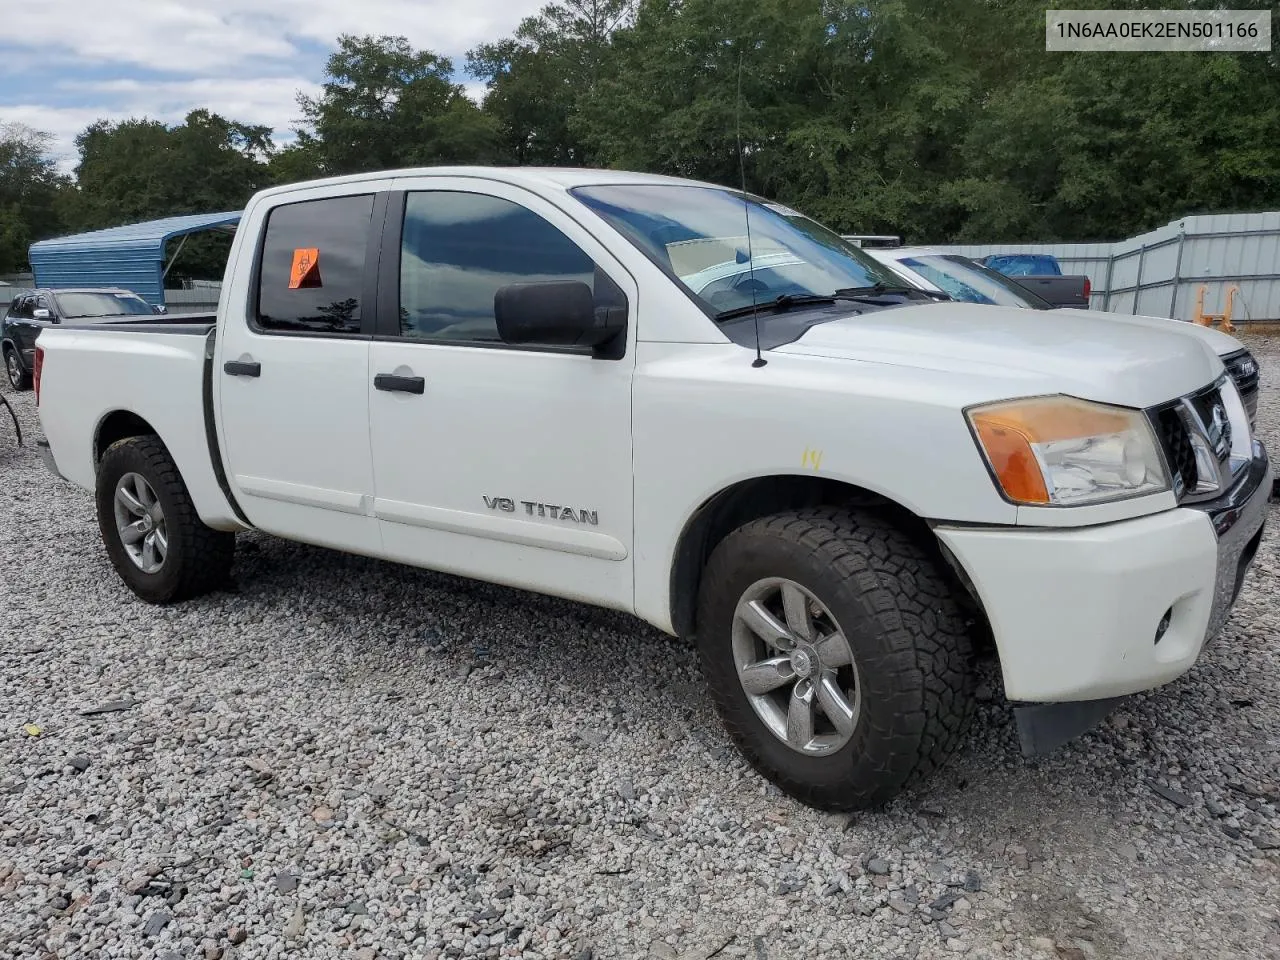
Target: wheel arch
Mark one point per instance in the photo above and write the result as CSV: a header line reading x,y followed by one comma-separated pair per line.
x,y
119,425
756,497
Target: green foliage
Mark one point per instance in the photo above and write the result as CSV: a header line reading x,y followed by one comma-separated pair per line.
x,y
29,189
536,79
140,169
387,105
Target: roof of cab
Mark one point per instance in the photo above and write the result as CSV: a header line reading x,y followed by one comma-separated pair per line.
x,y
563,178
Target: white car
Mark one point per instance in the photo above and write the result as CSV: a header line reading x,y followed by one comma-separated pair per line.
x,y
963,279
837,483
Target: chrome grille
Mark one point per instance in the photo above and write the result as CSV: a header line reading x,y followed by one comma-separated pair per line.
x,y
1176,442
1195,434
1243,369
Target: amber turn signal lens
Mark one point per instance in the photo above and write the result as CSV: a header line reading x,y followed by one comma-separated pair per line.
x,y
1009,453
1031,444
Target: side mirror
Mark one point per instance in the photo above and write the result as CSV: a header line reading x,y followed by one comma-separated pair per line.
x,y
561,314
41,313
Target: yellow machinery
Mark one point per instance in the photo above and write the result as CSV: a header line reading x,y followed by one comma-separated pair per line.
x,y
1208,319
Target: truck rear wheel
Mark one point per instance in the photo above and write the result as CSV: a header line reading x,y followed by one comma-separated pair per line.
x,y
149,525
836,655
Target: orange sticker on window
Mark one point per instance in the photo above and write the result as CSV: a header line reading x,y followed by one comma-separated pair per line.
x,y
306,268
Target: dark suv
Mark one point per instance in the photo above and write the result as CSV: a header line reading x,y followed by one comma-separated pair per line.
x,y
32,310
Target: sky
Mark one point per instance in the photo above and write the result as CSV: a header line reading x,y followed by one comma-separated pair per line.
x,y
66,63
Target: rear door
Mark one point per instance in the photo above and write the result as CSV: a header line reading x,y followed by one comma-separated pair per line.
x,y
292,368
504,463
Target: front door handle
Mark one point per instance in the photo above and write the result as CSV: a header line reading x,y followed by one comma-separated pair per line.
x,y
243,368
396,384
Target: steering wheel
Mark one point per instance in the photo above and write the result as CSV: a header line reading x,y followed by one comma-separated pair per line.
x,y
749,284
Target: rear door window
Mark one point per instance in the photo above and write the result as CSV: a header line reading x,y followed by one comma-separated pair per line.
x,y
311,276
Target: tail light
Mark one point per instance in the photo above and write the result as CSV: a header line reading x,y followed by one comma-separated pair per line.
x,y
35,372
1088,288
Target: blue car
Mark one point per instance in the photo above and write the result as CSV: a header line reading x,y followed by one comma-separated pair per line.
x,y
1023,264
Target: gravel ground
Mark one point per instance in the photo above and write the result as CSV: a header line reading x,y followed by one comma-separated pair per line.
x,y
345,758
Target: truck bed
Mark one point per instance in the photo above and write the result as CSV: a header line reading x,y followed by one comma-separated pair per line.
x,y
180,323
156,368
1061,291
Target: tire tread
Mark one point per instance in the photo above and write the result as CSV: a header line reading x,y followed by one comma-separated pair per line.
x,y
926,655
206,555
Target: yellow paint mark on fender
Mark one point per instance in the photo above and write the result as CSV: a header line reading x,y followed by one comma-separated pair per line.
x,y
812,459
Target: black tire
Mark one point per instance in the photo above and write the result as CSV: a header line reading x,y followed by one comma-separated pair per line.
x,y
18,376
906,632
198,558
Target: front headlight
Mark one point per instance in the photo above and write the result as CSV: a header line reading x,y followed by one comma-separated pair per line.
x,y
1061,451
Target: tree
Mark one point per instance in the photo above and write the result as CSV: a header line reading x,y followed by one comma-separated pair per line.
x,y
386,105
29,189
1104,147
141,169
693,79
536,78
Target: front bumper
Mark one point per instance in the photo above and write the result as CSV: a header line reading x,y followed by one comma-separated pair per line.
x,y
1076,613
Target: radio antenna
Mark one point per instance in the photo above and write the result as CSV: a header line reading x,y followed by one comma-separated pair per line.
x,y
759,361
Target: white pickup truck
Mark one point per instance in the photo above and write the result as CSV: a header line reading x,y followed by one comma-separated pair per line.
x,y
672,399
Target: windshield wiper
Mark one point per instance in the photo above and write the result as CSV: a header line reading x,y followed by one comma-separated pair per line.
x,y
784,302
863,294
883,289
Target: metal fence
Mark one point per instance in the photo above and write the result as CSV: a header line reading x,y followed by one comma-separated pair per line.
x,y
202,299
1160,273
16,281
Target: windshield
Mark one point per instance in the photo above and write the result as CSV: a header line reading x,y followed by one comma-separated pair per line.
x,y
101,305
962,279
698,234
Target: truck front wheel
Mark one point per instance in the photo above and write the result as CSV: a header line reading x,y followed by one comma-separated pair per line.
x,y
836,655
149,525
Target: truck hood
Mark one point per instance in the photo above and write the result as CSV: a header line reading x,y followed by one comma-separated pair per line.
x,y
1217,341
1024,353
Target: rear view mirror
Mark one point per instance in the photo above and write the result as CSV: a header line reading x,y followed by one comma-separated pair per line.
x,y
561,314
41,313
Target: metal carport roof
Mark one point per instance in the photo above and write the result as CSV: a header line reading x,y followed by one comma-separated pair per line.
x,y
131,256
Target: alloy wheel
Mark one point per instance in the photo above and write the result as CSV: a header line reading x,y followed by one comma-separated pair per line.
x,y
796,666
140,522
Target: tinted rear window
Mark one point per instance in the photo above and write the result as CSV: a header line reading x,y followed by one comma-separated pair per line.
x,y
327,300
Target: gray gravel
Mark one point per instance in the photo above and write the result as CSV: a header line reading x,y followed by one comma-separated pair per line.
x,y
345,758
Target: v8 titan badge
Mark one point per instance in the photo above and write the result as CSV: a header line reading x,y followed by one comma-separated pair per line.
x,y
306,268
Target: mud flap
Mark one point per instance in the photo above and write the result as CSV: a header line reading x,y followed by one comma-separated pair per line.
x,y
1043,727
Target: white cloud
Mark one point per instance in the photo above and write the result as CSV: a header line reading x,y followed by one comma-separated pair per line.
x,y
244,59
63,123
157,34
269,101
192,36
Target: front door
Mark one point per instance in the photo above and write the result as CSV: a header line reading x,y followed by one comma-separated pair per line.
x,y
292,369
508,464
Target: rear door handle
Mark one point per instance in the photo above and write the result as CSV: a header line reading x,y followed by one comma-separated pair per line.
x,y
243,368
395,384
